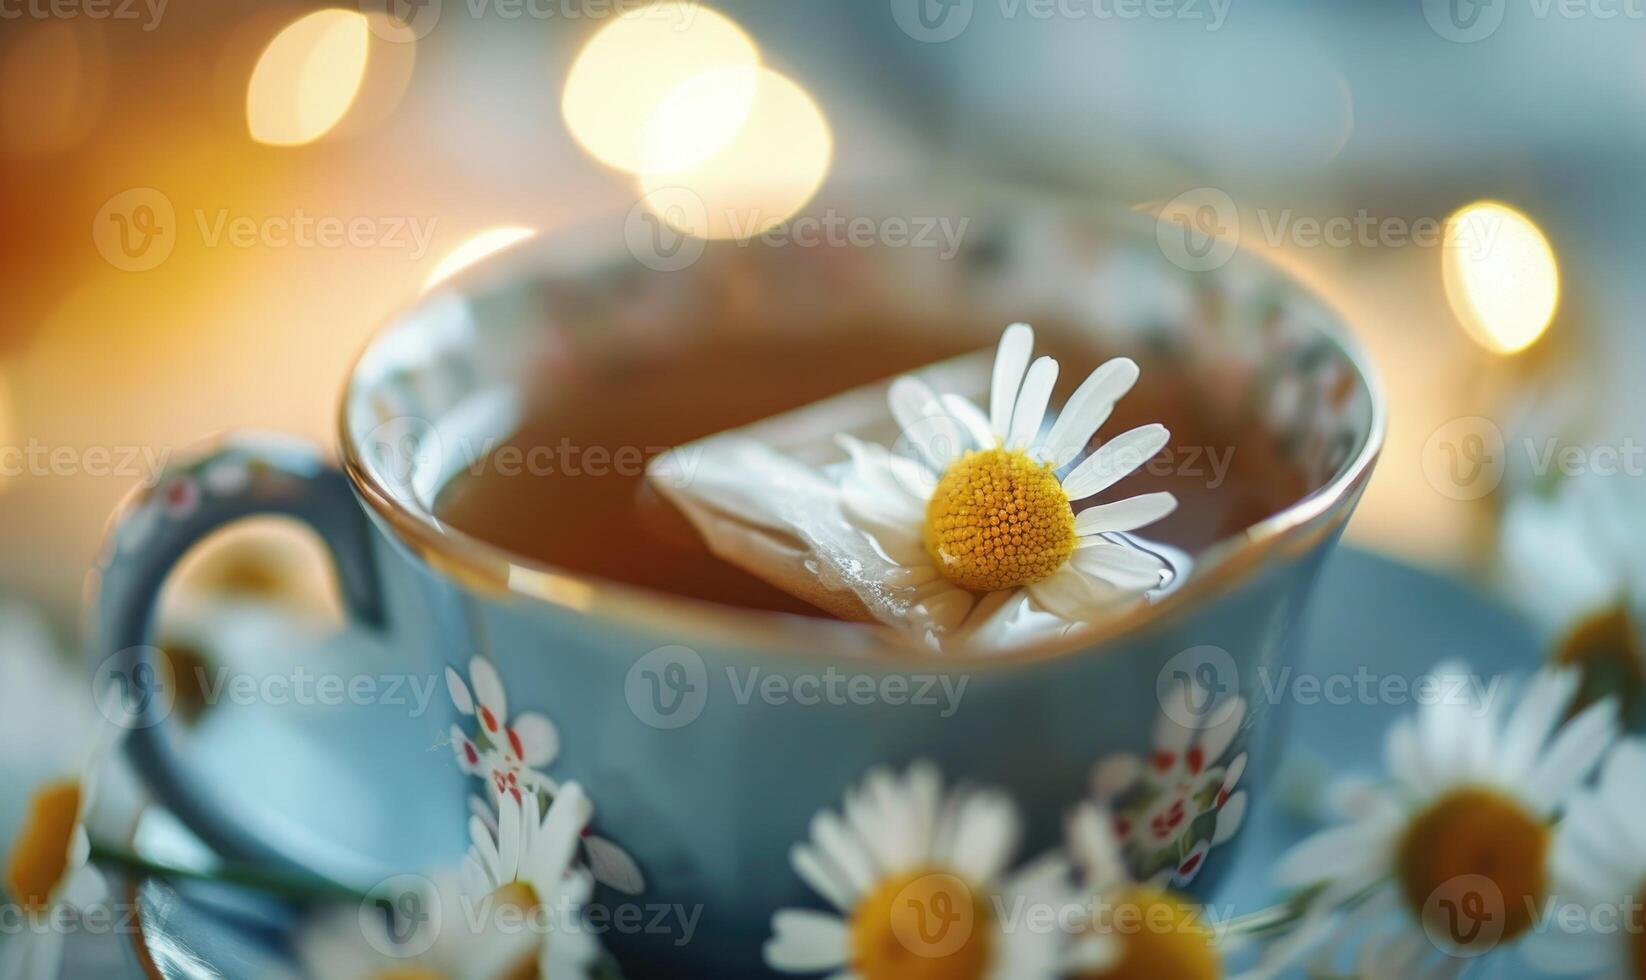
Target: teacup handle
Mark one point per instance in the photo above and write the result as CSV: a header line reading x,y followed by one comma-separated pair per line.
x,y
242,476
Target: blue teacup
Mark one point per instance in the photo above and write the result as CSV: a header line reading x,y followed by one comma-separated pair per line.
x,y
703,778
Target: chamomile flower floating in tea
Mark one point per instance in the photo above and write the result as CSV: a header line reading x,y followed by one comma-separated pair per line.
x,y
969,529
1452,851
1599,866
919,880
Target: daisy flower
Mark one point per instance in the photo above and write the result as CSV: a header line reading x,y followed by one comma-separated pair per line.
x,y
527,860
354,943
982,517
1573,559
919,886
1136,929
509,756
1451,852
48,873
1600,867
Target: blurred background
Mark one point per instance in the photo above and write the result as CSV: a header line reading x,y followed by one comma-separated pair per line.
x,y
209,206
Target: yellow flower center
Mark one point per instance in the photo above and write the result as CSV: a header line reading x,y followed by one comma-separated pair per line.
x,y
40,857
1160,935
925,925
1606,648
998,520
1475,858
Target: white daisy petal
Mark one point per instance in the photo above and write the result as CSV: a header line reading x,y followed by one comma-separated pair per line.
x,y
971,418
1030,411
557,838
1088,408
1125,515
836,841
612,866
1090,833
1115,460
1076,595
1122,566
804,941
1573,754
925,427
1535,716
1011,359
986,832
823,877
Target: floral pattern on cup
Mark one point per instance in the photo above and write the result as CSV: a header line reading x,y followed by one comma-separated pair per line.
x,y
511,756
1173,808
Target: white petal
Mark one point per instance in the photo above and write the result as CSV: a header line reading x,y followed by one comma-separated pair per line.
x,y
484,851
924,426
1535,716
556,840
971,418
1011,359
488,687
509,816
805,941
1573,754
1091,838
1088,408
459,692
1030,411
538,738
1332,853
1122,566
986,833
1230,817
844,851
612,866
825,879
1125,515
1074,595
1115,460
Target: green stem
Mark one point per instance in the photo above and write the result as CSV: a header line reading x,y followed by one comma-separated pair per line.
x,y
283,884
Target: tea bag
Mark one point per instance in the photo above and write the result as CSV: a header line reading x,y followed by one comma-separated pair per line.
x,y
785,499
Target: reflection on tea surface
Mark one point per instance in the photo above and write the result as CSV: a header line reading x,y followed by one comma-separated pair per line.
x,y
567,489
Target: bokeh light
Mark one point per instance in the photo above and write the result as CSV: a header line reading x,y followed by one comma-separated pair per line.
x,y
632,64
307,77
53,80
1501,277
489,242
767,172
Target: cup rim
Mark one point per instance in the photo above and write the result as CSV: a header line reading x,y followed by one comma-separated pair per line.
x,y
478,564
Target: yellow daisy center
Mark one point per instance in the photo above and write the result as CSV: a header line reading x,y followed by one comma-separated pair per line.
x,y
999,520
1606,648
1473,858
924,925
1160,935
40,857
